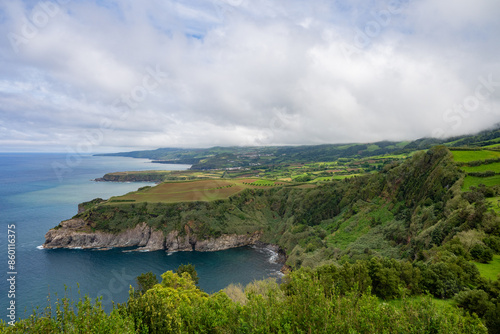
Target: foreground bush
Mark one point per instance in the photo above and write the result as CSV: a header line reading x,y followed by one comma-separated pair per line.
x,y
299,305
66,316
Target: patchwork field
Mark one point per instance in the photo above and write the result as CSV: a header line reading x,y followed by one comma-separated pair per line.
x,y
188,191
474,181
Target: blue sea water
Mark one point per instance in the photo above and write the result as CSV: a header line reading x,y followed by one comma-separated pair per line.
x,y
37,191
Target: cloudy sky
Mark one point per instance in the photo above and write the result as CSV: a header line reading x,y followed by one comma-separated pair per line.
x,y
101,76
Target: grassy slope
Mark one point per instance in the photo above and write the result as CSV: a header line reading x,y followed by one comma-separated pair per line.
x,y
468,156
495,167
495,203
490,270
189,191
475,181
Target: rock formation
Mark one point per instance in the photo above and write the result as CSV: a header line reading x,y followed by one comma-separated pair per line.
x,y
75,233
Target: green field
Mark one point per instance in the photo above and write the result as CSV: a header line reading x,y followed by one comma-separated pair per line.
x,y
266,183
468,156
495,167
475,181
490,270
341,177
372,147
493,146
189,191
495,203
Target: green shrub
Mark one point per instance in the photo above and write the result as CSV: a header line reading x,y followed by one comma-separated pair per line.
x,y
474,301
481,253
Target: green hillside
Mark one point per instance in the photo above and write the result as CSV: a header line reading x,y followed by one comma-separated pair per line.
x,y
358,231
415,211
230,157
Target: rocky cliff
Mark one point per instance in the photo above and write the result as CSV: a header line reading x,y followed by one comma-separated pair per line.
x,y
133,177
75,233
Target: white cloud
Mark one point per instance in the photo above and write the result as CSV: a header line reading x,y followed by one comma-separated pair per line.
x,y
254,73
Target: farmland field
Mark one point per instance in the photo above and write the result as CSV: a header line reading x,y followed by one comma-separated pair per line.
x,y
468,156
490,270
475,181
188,191
341,177
493,146
495,167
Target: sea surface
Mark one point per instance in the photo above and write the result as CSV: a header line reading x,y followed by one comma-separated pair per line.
x,y
37,191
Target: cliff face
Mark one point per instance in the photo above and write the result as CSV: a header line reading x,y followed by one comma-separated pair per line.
x,y
132,177
75,233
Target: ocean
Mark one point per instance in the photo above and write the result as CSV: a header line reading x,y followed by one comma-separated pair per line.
x,y
37,191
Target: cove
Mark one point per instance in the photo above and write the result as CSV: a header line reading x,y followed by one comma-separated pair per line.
x,y
35,199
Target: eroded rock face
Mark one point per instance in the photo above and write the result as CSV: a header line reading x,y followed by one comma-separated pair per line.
x,y
75,233
174,242
226,241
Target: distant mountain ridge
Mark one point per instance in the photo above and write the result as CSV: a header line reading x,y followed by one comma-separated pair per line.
x,y
235,156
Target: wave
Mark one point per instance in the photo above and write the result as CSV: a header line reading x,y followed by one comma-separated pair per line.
x,y
272,255
40,247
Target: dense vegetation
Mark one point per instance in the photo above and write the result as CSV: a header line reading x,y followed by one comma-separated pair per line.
x,y
400,212
227,157
328,300
401,246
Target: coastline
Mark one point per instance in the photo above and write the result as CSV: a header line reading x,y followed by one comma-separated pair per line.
x,y
76,234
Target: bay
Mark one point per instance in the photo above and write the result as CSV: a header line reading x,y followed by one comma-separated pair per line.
x,y
39,190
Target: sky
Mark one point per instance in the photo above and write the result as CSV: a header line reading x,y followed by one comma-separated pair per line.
x,y
105,76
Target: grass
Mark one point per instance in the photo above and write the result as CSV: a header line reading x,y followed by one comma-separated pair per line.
x,y
341,177
468,156
475,181
372,148
349,232
322,179
266,183
394,156
402,144
492,146
495,167
178,174
495,203
490,270
189,191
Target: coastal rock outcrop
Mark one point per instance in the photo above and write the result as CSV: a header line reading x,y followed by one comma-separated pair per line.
x,y
226,241
76,233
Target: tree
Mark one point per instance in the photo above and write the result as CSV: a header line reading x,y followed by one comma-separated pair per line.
x,y
474,301
145,281
188,268
481,253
